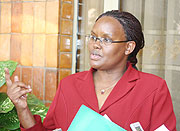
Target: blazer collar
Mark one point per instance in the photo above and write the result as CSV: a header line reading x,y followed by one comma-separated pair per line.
x,y
86,88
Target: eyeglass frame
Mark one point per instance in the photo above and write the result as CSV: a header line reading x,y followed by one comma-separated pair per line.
x,y
101,40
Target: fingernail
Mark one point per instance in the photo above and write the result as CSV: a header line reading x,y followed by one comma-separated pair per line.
x,y
16,78
29,86
22,97
30,89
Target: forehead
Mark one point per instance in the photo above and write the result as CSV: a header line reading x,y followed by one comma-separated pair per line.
x,y
108,25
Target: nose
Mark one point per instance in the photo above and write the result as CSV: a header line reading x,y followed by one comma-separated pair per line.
x,y
97,44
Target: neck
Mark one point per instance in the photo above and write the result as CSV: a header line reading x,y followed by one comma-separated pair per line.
x,y
109,76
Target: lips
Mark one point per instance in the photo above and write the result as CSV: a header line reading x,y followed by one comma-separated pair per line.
x,y
95,55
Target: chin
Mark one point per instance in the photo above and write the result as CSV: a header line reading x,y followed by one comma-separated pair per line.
x,y
95,66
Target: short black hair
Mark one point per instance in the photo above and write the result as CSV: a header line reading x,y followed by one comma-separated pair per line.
x,y
132,28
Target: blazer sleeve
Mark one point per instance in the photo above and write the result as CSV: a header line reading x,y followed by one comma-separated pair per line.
x,y
49,121
162,112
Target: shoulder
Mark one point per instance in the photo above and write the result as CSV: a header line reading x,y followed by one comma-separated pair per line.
x,y
150,80
149,77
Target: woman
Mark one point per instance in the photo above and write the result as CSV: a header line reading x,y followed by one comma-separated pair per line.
x,y
112,86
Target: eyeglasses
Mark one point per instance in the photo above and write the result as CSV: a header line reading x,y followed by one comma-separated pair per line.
x,y
103,41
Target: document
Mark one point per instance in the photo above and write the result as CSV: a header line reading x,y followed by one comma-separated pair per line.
x,y
88,120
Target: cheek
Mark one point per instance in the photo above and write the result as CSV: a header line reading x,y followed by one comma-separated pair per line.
x,y
89,47
114,55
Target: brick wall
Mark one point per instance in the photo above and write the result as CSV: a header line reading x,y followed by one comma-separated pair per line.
x,y
38,35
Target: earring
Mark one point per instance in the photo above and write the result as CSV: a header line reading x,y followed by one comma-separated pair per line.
x,y
126,52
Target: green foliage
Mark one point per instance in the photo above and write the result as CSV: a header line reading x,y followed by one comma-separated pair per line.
x,y
8,116
9,120
36,106
11,65
5,103
4,129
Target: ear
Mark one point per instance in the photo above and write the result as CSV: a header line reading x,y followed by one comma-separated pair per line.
x,y
130,47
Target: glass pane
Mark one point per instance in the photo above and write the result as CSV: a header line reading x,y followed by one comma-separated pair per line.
x,y
161,55
88,10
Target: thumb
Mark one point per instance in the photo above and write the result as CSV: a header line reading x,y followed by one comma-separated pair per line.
x,y
7,77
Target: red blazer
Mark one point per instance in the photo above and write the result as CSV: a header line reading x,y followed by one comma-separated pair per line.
x,y
137,97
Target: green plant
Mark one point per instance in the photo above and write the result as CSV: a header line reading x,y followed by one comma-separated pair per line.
x,y
8,115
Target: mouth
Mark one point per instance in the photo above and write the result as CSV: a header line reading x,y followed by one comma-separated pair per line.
x,y
95,55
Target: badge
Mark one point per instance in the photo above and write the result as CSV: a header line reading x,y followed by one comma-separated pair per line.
x,y
136,127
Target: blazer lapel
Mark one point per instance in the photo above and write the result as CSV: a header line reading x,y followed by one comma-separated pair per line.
x,y
124,85
87,91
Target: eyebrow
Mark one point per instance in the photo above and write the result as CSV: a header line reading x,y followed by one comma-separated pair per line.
x,y
93,33
106,34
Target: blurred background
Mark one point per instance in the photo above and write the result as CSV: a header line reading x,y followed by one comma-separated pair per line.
x,y
46,38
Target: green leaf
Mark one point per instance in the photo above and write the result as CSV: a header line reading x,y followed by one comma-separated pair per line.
x,y
11,65
9,120
36,106
8,115
32,99
4,129
5,103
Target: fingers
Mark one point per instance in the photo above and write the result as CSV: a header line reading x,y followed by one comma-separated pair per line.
x,y
16,79
18,92
17,89
7,77
20,85
23,93
24,96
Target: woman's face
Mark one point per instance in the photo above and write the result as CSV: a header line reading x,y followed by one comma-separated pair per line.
x,y
109,57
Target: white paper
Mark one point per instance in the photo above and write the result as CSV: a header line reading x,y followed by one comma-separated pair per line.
x,y
162,128
107,117
59,129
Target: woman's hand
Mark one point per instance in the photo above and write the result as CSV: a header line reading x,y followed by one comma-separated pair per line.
x,y
17,91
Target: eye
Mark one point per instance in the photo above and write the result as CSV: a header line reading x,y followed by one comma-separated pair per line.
x,y
107,40
92,37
